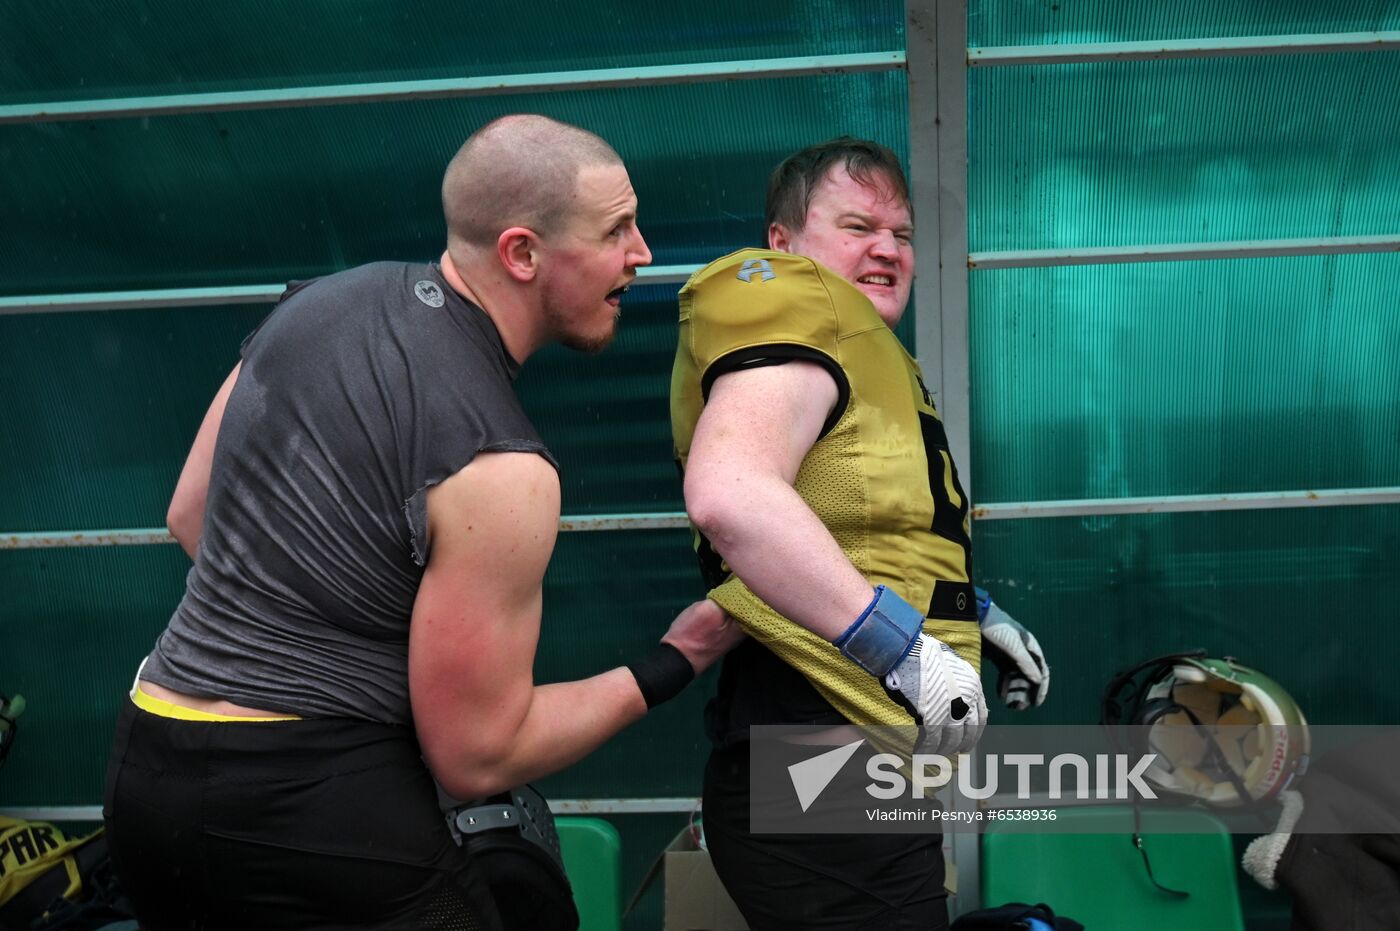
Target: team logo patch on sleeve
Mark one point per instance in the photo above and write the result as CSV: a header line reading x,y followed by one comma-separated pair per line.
x,y
429,293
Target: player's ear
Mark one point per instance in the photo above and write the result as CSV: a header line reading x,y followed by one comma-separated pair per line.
x,y
779,238
518,251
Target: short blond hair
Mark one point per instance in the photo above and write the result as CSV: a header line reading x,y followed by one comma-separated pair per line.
x,y
518,170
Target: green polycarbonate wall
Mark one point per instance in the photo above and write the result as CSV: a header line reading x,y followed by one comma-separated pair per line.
x,y
257,197
1056,22
124,48
1190,378
1108,381
1179,151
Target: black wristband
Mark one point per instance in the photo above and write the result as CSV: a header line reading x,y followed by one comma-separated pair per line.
x,y
662,674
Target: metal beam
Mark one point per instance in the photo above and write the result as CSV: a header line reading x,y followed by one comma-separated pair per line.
x,y
939,287
62,813
936,39
1185,252
144,536
548,82
676,520
936,32
226,296
671,520
61,539
921,40
622,806
1014,55
141,300
560,806
1249,501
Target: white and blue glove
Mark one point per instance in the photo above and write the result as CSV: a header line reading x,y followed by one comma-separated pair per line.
x,y
1024,677
922,674
943,692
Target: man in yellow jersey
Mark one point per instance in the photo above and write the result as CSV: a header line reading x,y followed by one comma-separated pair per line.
x,y
831,523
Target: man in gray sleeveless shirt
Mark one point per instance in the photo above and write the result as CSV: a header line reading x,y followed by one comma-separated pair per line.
x,y
370,514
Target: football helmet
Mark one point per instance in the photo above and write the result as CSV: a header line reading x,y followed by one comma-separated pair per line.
x,y
1223,733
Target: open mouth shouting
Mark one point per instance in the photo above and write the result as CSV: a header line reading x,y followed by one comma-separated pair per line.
x,y
615,295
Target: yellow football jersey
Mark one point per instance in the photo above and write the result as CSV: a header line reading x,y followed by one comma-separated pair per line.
x,y
880,476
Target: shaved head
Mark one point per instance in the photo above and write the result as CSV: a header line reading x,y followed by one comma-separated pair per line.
x,y
518,170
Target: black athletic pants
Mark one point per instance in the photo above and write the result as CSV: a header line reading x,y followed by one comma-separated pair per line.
x,y
311,824
818,882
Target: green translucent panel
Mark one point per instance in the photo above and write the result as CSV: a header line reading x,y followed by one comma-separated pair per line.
x,y
100,410
135,47
76,623
606,417
259,197
1307,595
609,597
1183,151
1071,22
1180,378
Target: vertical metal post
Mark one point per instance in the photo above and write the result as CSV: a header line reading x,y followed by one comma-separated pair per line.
x,y
936,58
936,33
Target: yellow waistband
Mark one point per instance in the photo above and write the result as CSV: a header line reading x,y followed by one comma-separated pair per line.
x,y
165,709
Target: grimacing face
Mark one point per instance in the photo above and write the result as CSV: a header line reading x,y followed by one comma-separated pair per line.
x,y
863,233
592,260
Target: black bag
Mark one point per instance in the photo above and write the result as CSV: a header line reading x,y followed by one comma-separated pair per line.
x,y
48,876
1016,916
105,908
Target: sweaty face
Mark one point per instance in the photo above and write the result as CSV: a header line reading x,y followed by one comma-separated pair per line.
x,y
590,262
861,232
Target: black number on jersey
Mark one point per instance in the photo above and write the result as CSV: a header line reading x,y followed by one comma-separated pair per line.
x,y
949,520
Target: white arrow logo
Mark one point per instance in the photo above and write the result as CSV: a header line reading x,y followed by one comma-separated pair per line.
x,y
810,777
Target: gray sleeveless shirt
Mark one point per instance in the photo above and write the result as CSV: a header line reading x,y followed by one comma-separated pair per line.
x,y
358,393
